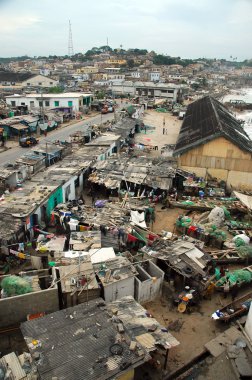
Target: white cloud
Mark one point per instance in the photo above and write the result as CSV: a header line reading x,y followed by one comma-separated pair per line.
x,y
13,23
241,13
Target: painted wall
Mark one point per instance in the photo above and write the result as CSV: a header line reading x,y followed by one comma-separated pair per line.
x,y
221,159
53,201
119,289
14,310
128,375
53,101
69,184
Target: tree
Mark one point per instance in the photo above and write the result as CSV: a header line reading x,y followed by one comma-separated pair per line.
x,y
100,94
55,90
130,63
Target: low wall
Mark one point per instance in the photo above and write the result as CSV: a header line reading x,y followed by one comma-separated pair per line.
x,y
14,310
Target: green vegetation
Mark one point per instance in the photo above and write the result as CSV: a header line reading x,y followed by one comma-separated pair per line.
x,y
158,59
100,94
55,90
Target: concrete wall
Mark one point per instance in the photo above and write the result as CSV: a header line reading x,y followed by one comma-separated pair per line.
x,y
12,180
14,310
72,194
248,325
119,289
148,284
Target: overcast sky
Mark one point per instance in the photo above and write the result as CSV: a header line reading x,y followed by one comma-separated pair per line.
x,y
185,28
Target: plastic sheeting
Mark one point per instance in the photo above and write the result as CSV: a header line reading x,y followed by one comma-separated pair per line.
x,y
138,218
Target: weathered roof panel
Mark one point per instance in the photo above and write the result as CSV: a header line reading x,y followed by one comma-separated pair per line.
x,y
205,120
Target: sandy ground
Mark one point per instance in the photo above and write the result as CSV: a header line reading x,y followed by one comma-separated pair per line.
x,y
197,327
196,330
155,137
166,218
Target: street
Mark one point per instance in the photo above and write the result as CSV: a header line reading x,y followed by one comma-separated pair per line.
x,y
10,155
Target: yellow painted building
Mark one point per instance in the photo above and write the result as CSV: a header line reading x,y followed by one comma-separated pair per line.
x,y
212,143
119,62
87,70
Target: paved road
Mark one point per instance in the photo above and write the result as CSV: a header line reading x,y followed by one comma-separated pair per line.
x,y
9,156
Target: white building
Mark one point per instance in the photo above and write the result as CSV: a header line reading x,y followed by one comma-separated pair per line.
x,y
154,76
40,81
136,74
150,90
45,72
76,101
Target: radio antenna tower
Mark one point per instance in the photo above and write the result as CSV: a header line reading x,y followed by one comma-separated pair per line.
x,y
70,41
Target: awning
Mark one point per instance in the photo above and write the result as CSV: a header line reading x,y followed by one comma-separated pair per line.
x,y
19,127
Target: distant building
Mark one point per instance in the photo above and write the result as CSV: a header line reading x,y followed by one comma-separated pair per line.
x,y
212,143
87,70
119,62
148,90
11,80
40,81
76,101
154,76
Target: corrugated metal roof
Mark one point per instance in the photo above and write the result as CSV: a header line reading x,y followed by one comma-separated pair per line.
x,y
10,362
75,344
205,120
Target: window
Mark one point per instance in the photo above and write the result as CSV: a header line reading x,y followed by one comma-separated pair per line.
x,y
51,82
13,103
70,103
22,104
47,103
40,83
56,103
41,103
32,103
28,84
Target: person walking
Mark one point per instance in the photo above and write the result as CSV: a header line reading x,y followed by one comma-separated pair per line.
x,y
226,288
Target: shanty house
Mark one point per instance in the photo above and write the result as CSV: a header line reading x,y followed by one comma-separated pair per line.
x,y
116,278
87,342
212,143
148,282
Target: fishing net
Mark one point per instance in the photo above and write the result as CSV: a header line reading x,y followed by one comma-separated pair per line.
x,y
15,285
183,221
218,234
239,242
237,277
226,213
245,251
188,203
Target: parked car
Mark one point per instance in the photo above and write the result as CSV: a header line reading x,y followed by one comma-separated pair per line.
x,y
28,141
